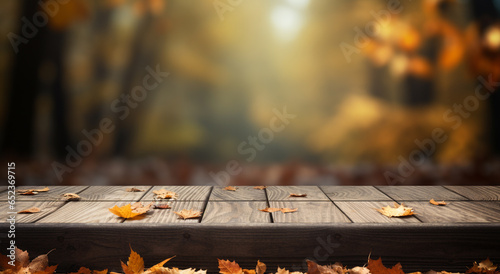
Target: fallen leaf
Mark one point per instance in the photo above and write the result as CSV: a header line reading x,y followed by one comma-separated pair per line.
x,y
314,268
133,189
84,270
139,208
165,194
30,210
396,211
47,270
441,203
162,206
230,188
158,268
376,267
124,211
285,271
188,214
32,191
248,271
260,268
359,270
260,187
135,263
228,267
298,195
274,209
40,264
485,266
71,197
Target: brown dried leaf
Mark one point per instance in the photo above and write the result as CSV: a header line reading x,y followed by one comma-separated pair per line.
x,y
133,189
248,271
47,270
376,267
137,207
314,268
162,206
359,270
485,266
260,268
71,197
29,210
230,188
274,209
165,194
298,195
188,214
396,211
32,191
40,263
228,267
260,187
441,203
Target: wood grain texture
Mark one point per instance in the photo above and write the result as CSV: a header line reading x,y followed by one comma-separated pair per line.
x,y
236,212
308,212
478,193
186,193
457,212
365,212
3,188
422,193
54,194
84,212
243,193
166,216
354,193
282,193
46,208
112,193
100,246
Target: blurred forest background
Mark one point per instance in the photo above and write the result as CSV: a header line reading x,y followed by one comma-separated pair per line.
x,y
230,63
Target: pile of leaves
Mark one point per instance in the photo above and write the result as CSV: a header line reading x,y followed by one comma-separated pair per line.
x,y
135,265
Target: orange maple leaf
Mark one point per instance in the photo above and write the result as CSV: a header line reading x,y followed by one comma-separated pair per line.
x,y
228,267
396,211
135,263
260,187
230,188
314,268
377,267
29,210
298,195
165,194
124,211
485,266
282,209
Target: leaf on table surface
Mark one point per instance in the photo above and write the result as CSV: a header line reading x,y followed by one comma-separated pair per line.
x,y
71,197
282,209
228,267
29,210
441,203
162,206
396,211
32,191
314,268
377,267
485,266
165,194
137,207
260,187
188,214
298,195
124,211
230,188
135,263
133,189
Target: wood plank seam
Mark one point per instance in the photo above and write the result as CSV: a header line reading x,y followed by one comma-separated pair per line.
x,y
268,205
205,204
456,192
347,216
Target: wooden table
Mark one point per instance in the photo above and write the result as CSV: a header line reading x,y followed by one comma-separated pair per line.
x,y
333,223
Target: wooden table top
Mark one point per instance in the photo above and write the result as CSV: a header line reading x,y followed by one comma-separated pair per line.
x,y
323,204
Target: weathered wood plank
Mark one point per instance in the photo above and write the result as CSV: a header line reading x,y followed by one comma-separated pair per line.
x,y
282,193
168,215
112,193
457,212
46,208
100,246
236,212
242,193
422,193
85,212
186,193
3,188
354,193
365,212
478,193
308,212
55,193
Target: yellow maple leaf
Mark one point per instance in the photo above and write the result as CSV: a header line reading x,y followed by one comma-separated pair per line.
x,y
135,263
124,211
396,211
